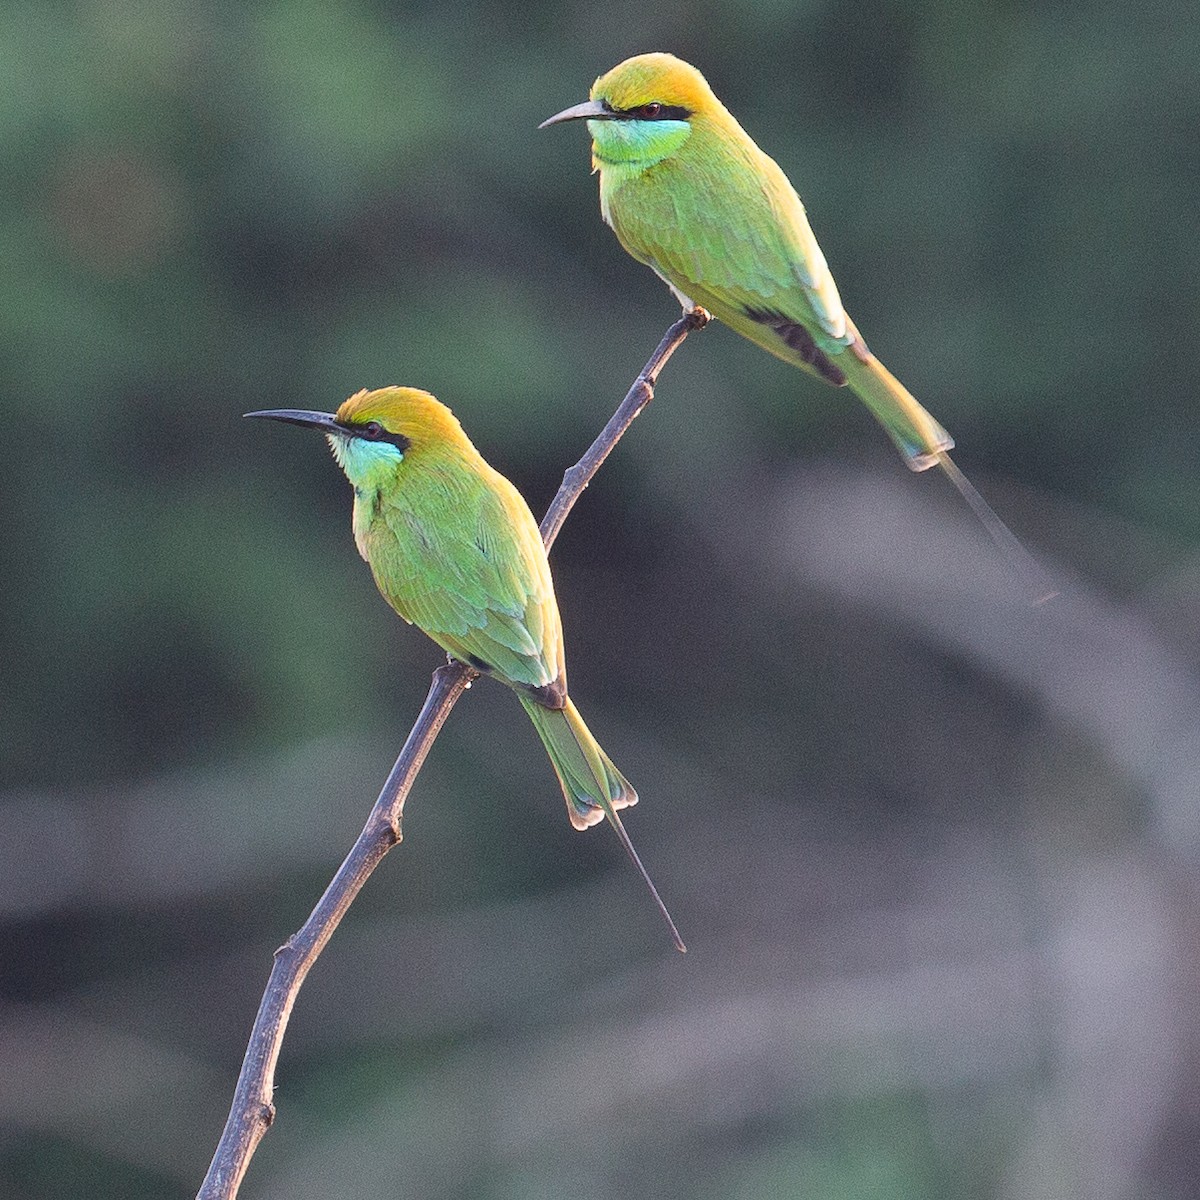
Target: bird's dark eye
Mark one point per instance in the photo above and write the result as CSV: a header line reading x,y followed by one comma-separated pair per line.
x,y
650,111
373,431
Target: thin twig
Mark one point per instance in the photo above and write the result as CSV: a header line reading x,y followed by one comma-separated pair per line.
x,y
639,395
253,1110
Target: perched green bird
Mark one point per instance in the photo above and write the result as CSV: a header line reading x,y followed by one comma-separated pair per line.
x,y
688,193
455,550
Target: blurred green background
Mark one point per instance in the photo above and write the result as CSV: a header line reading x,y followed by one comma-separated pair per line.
x,y
933,850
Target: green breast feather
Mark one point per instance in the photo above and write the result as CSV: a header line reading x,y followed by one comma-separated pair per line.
x,y
464,561
722,223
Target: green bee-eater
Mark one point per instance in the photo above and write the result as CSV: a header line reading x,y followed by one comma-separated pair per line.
x,y
455,550
688,193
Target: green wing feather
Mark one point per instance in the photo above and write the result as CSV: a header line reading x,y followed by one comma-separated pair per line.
x,y
723,224
458,553
720,222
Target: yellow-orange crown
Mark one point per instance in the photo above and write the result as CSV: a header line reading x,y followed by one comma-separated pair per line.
x,y
649,77
411,412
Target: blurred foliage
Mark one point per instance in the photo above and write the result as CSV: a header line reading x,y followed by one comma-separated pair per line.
x,y
209,208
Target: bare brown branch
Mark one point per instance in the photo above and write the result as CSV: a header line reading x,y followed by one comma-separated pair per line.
x,y
639,395
253,1109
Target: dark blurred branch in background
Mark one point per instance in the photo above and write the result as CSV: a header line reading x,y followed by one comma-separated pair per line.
x,y
253,1111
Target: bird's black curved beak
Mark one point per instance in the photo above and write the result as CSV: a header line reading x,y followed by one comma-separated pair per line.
x,y
589,110
301,416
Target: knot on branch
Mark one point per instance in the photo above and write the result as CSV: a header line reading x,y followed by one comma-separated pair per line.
x,y
392,832
642,392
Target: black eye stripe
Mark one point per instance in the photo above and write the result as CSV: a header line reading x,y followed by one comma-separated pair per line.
x,y
373,431
654,110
